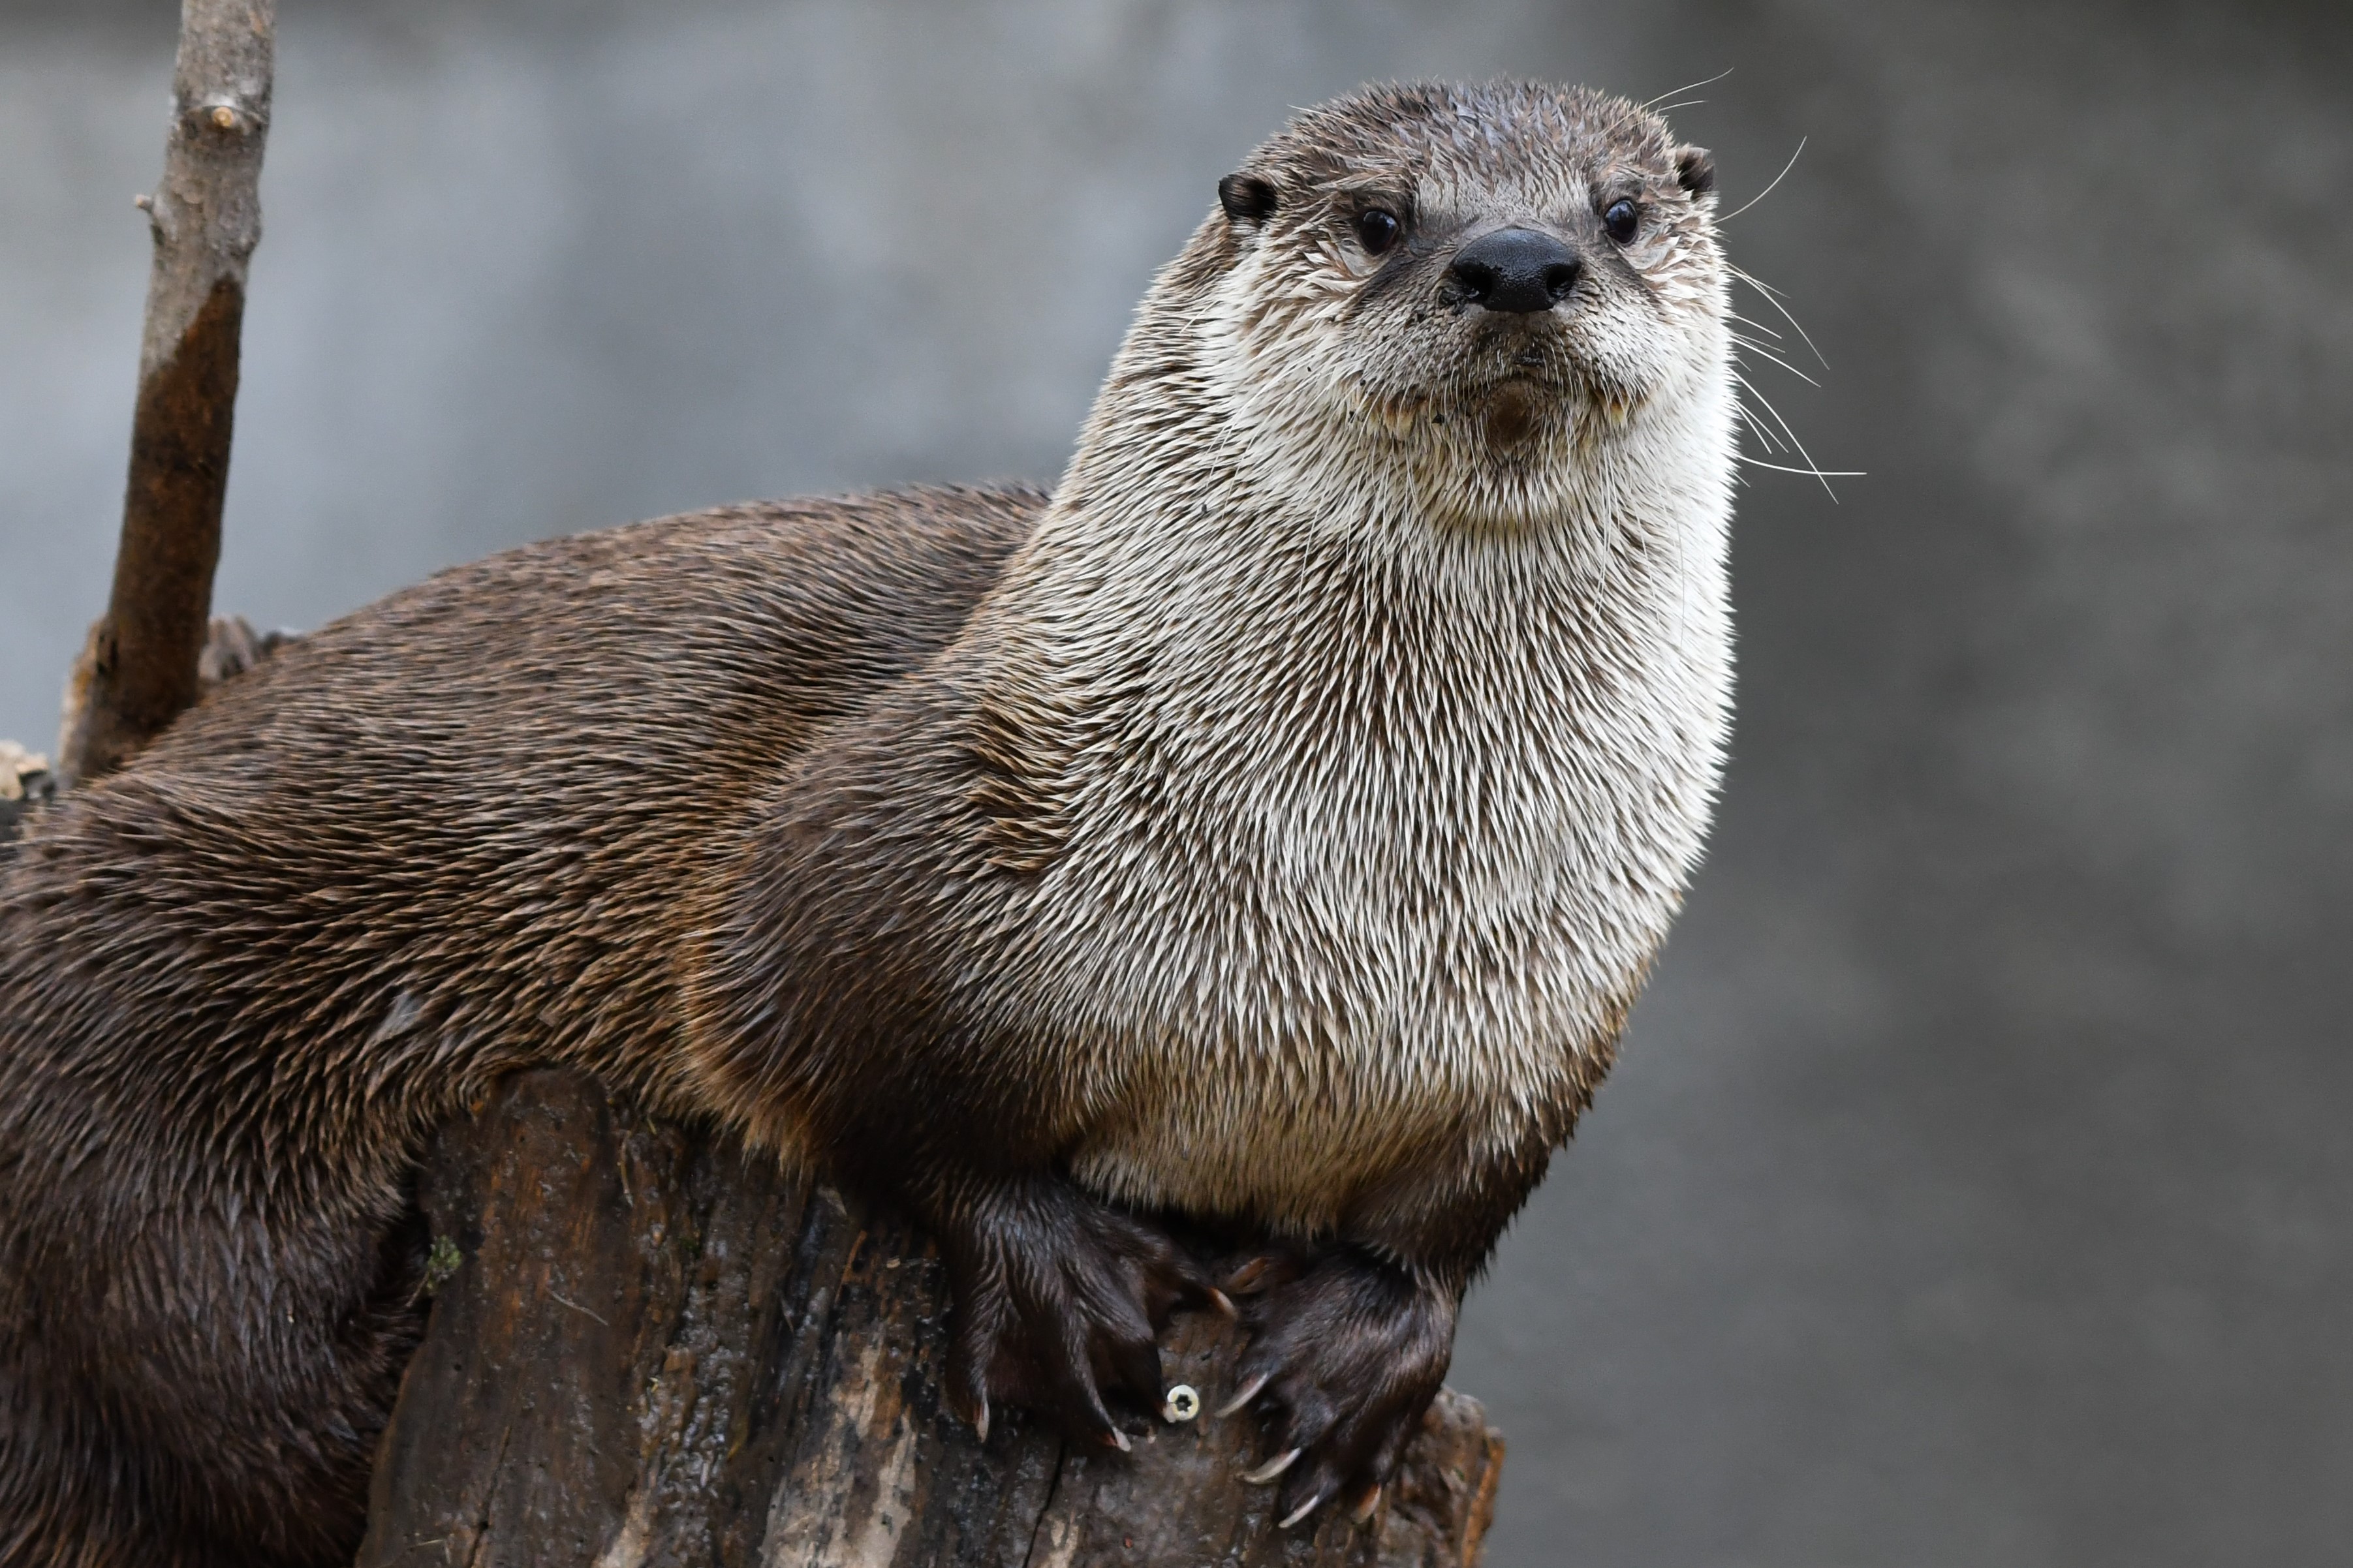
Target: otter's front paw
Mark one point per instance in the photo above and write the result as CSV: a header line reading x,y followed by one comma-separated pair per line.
x,y
1057,1298
1347,1354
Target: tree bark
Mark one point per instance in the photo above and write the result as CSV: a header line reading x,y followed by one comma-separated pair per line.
x,y
139,670
649,1347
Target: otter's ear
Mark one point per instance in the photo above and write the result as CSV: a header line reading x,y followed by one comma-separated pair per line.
x,y
1695,170
1247,198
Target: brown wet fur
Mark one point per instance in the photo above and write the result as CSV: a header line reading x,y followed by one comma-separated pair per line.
x,y
240,979
729,809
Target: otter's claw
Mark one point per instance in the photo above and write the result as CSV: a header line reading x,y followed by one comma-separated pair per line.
x,y
1264,1475
1057,1298
1347,1354
1245,1280
1314,1502
1250,1391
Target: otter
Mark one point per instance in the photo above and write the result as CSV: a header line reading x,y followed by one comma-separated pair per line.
x,y
1270,827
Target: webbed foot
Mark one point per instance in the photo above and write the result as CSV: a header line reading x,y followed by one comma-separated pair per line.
x,y
1346,1354
1059,1298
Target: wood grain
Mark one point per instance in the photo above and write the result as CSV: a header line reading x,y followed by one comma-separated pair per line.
x,y
651,1348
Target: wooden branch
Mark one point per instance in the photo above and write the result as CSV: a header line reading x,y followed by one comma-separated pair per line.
x,y
139,670
25,783
648,1348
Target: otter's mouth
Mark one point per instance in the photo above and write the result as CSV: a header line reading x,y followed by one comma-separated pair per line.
x,y
1513,410
1507,415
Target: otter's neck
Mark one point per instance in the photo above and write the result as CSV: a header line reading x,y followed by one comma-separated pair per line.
x,y
1192,666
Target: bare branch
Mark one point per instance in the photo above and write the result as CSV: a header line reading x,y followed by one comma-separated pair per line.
x,y
141,664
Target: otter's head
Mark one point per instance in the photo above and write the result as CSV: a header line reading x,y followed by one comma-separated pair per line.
x,y
1464,298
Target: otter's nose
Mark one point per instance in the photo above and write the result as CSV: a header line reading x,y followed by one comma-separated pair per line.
x,y
1516,269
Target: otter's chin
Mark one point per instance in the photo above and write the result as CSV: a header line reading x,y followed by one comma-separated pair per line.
x,y
1512,415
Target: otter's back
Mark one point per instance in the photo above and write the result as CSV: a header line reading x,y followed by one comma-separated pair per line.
x,y
462,809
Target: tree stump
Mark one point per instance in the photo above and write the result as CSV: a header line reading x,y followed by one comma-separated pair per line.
x,y
647,1347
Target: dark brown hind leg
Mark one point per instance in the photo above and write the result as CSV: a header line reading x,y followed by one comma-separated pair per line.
x,y
311,1511
122,1469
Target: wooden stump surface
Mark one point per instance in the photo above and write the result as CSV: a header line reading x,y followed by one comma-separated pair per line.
x,y
648,1348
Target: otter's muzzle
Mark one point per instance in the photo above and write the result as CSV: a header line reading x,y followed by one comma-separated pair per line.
x,y
1516,269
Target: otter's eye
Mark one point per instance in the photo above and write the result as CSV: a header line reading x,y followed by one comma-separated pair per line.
x,y
1621,218
1376,230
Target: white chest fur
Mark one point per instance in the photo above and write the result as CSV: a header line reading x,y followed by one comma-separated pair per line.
x,y
1368,845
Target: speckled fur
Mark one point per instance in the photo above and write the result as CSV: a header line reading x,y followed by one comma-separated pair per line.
x,y
1275,826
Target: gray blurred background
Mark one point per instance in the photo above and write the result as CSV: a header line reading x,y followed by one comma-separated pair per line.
x,y
1974,1189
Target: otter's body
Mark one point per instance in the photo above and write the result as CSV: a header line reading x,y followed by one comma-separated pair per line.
x,y
1274,828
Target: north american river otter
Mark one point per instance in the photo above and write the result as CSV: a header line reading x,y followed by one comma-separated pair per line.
x,y
1271,827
